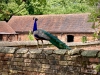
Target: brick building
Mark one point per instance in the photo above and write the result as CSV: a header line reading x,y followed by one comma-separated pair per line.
x,y
6,32
67,27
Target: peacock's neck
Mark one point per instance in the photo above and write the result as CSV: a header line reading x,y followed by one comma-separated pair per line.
x,y
35,26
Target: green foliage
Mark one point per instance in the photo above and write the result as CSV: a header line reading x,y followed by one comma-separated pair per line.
x,y
95,17
30,36
67,6
98,68
95,35
84,39
92,2
96,9
32,7
10,8
20,7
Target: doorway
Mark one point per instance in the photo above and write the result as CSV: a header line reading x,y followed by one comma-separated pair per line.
x,y
0,37
70,38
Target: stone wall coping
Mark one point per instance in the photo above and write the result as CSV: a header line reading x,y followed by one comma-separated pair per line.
x,y
20,43
84,53
32,43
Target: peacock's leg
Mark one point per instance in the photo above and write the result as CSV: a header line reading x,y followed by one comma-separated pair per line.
x,y
42,44
37,44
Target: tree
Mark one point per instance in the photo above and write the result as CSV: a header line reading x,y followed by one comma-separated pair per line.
x,y
39,7
95,17
11,7
20,7
66,6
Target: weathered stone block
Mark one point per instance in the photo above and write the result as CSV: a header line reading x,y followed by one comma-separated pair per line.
x,y
89,53
1,65
37,61
18,55
42,74
70,63
53,62
27,60
94,60
63,63
7,57
47,70
5,69
67,58
2,55
62,57
35,51
30,69
20,63
60,51
45,66
18,59
34,69
5,66
75,52
30,73
8,62
37,56
4,73
48,51
27,64
1,48
57,57
84,59
34,61
98,54
26,55
13,71
14,63
75,58
22,50
55,67
44,61
8,50
50,57
32,56
42,56
63,69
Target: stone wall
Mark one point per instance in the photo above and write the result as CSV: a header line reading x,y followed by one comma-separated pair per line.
x,y
24,61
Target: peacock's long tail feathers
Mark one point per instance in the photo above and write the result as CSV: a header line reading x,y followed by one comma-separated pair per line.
x,y
55,41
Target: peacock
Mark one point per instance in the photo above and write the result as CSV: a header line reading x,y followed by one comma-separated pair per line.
x,y
40,34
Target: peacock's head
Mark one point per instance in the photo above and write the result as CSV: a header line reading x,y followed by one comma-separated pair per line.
x,y
35,19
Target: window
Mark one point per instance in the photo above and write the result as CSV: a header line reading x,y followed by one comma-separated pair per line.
x,y
70,38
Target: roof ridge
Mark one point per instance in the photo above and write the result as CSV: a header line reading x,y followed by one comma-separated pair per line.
x,y
52,15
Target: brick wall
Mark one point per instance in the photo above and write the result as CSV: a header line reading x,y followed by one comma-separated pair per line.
x,y
24,61
62,37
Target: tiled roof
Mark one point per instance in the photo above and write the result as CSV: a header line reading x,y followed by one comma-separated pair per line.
x,y
69,23
5,28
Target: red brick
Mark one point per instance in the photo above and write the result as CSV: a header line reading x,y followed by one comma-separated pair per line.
x,y
2,54
94,60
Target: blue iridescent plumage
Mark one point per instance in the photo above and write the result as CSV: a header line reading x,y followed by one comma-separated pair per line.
x,y
35,25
